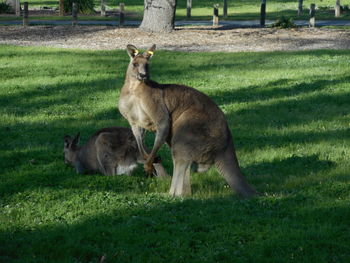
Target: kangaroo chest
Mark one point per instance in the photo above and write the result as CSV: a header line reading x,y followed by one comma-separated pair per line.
x,y
131,106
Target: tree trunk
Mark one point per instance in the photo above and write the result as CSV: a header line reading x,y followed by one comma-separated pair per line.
x,y
300,7
158,16
225,9
337,8
189,7
61,7
262,13
312,15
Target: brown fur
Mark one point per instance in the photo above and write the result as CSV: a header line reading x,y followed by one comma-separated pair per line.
x,y
188,120
110,151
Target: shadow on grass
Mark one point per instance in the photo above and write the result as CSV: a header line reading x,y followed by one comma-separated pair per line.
x,y
44,168
213,230
42,99
295,165
284,112
274,91
302,226
260,62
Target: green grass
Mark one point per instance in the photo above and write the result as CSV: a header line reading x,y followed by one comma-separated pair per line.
x,y
289,114
238,10
338,27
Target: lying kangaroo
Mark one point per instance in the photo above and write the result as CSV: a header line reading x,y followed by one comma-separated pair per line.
x,y
110,151
188,120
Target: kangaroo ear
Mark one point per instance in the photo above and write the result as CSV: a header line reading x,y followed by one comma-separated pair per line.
x,y
149,52
76,139
67,140
132,51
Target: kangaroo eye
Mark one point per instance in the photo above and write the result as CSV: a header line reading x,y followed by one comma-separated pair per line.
x,y
135,65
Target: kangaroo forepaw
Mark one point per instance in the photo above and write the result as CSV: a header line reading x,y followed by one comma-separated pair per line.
x,y
148,168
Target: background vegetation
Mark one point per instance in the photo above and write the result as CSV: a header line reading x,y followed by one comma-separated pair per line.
x,y
289,114
4,7
238,9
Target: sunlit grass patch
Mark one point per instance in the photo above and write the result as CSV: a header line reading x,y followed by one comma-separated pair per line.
x,y
289,115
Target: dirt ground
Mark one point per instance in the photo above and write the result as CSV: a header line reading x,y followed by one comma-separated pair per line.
x,y
198,38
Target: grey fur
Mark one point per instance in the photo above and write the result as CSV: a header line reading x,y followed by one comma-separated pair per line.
x,y
187,120
110,151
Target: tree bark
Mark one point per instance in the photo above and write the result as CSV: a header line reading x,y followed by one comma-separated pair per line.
x,y
337,8
189,7
300,7
158,16
61,7
225,9
262,13
312,15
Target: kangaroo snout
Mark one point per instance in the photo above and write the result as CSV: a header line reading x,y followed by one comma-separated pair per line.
x,y
142,76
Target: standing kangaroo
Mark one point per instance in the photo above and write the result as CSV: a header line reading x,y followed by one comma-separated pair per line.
x,y
189,121
111,151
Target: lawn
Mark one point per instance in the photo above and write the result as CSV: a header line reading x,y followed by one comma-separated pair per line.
x,y
237,10
289,115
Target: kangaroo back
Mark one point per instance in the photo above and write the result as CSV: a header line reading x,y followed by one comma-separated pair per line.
x,y
116,153
111,151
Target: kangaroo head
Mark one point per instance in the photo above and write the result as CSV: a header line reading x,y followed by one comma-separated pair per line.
x,y
70,148
138,66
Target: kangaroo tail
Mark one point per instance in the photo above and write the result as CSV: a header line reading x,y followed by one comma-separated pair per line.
x,y
227,164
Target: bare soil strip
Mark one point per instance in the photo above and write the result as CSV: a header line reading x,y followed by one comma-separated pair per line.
x,y
199,38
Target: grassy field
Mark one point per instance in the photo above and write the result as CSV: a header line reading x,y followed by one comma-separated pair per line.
x,y
238,9
289,114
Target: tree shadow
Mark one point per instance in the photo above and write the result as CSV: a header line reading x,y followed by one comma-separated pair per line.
x,y
259,61
41,99
144,226
43,167
279,171
190,230
283,112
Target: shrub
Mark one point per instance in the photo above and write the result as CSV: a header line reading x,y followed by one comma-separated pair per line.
x,y
325,8
344,8
4,8
85,6
284,22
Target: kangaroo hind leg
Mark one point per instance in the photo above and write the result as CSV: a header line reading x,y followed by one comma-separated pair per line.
x,y
107,165
180,183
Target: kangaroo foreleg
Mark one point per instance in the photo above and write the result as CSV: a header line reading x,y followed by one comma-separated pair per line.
x,y
161,136
139,134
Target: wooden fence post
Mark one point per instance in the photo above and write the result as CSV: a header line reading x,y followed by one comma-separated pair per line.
x,y
18,8
300,7
312,15
74,14
216,15
225,9
121,14
25,14
337,8
189,7
61,7
262,13
103,8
